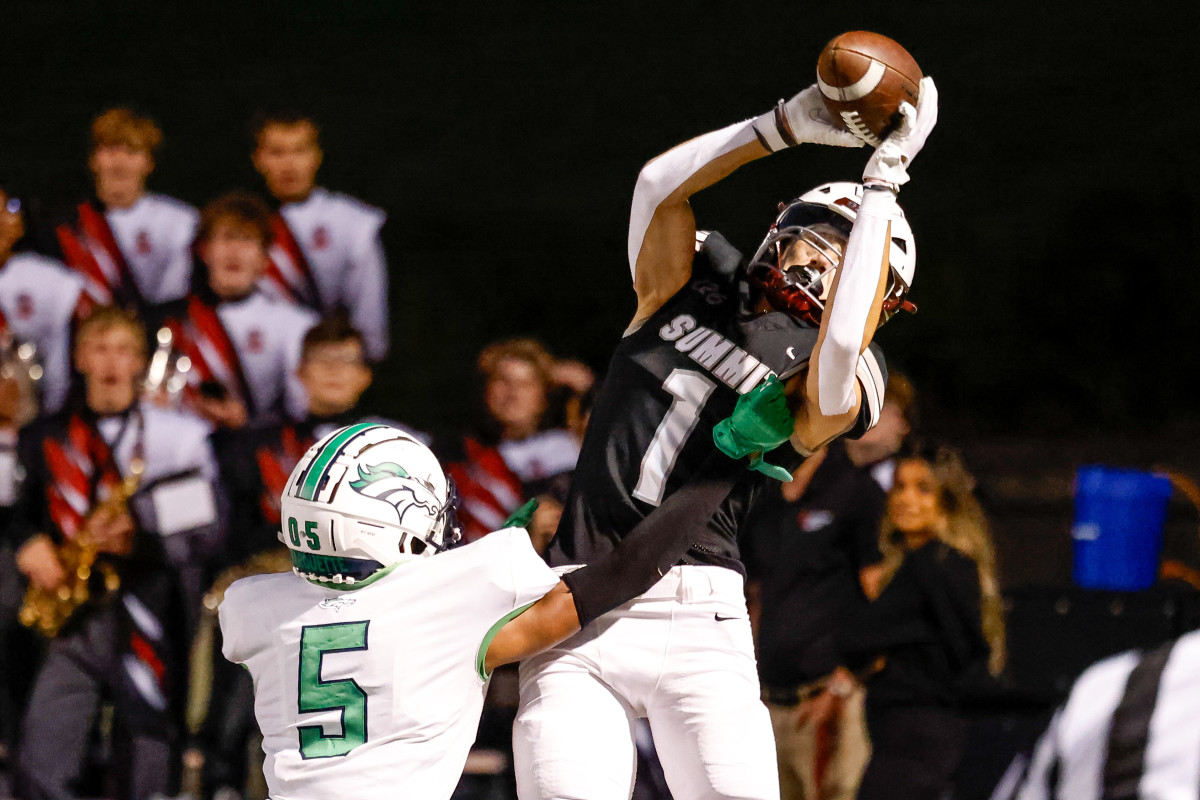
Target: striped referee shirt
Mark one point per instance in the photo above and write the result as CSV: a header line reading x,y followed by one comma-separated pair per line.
x,y
1129,730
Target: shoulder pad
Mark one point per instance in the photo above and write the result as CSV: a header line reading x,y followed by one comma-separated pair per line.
x,y
872,375
715,256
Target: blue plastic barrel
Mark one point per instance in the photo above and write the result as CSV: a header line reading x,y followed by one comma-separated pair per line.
x,y
1119,515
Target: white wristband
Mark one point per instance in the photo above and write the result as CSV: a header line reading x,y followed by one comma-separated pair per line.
x,y
773,130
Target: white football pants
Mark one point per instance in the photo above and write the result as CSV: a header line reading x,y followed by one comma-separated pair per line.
x,y
680,655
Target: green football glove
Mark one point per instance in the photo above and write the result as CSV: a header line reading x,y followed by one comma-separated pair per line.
x,y
760,422
522,516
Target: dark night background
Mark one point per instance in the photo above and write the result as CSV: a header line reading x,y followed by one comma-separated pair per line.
x,y
1055,206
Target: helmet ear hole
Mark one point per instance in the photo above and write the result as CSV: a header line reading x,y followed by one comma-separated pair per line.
x,y
417,546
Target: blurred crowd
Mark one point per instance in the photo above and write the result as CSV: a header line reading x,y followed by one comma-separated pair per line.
x,y
164,369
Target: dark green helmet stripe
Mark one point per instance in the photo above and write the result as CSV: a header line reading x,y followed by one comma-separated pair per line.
x,y
326,455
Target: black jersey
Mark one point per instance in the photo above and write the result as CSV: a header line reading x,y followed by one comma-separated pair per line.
x,y
668,384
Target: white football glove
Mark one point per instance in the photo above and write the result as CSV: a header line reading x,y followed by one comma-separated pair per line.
x,y
889,163
804,118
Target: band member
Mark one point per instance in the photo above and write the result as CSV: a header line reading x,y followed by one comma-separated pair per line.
x,y
723,360
244,347
81,466
132,247
40,300
326,252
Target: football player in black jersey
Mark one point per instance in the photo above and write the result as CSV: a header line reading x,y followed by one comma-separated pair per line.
x,y
722,360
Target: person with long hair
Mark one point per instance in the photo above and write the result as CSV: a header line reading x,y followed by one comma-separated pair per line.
x,y
936,618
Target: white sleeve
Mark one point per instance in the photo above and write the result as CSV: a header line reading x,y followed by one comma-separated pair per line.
x,y
1036,785
662,176
531,576
847,317
230,614
369,305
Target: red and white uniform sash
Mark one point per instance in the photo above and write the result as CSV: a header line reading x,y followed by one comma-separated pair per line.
x,y
83,473
89,248
289,276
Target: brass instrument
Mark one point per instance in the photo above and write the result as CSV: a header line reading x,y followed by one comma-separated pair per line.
x,y
46,611
167,373
277,559
19,363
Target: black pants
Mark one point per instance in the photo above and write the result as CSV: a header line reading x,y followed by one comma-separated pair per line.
x,y
914,752
123,650
228,725
20,650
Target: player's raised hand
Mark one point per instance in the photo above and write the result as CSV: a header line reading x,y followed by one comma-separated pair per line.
x,y
760,422
804,118
889,163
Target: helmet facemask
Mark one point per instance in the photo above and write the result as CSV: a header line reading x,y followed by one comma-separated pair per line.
x,y
799,289
822,219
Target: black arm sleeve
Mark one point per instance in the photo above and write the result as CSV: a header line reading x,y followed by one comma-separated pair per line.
x,y
655,545
29,513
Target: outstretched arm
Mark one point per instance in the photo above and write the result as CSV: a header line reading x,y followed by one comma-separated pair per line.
x,y
662,228
832,395
636,564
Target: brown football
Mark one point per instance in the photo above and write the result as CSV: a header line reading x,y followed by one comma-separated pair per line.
x,y
864,77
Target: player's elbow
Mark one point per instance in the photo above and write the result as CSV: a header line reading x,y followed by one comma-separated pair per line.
x,y
655,183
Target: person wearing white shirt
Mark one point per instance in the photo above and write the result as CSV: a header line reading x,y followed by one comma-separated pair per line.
x,y
326,253
131,246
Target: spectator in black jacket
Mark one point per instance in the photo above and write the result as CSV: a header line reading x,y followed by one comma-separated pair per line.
x,y
937,618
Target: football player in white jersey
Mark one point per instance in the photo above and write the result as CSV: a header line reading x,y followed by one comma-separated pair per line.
x,y
132,247
327,253
371,662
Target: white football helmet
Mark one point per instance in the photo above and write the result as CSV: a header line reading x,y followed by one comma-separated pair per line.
x,y
363,498
822,218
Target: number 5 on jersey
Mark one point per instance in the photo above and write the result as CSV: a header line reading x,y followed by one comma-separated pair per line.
x,y
343,695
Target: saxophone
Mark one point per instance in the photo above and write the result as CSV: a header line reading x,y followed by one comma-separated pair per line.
x,y
46,611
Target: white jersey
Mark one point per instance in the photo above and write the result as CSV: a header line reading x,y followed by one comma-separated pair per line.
x,y
376,692
1130,728
38,297
155,235
268,336
340,239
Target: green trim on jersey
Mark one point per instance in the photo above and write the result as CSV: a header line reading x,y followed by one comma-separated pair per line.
x,y
321,461
481,656
350,587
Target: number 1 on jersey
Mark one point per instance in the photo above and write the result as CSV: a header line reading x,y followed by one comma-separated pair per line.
x,y
690,390
321,695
